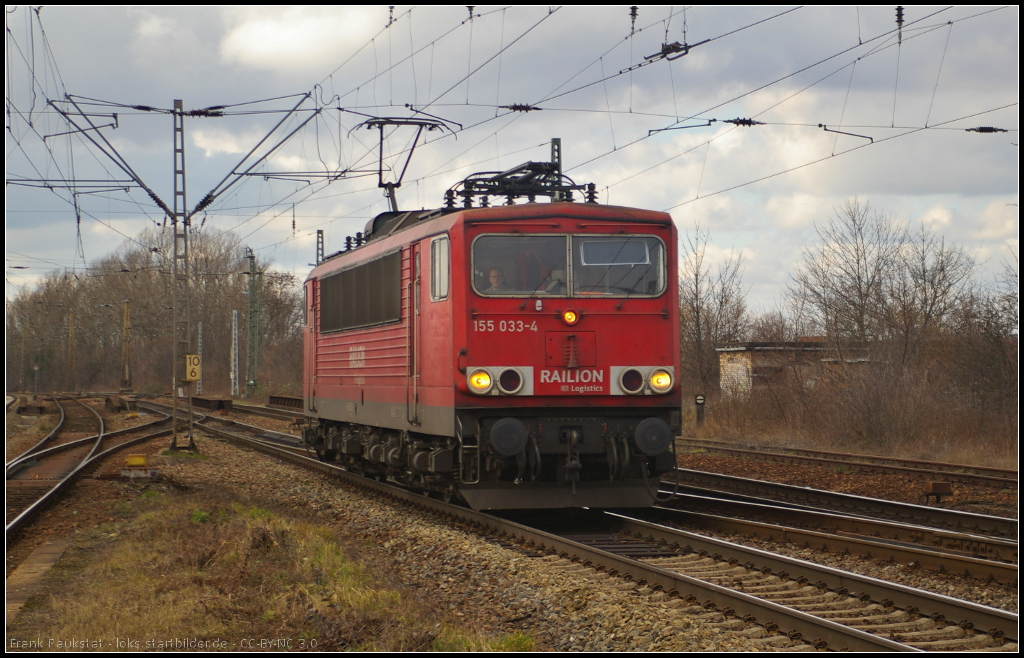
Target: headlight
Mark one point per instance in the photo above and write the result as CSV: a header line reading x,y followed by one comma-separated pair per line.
x,y
510,381
631,381
661,381
570,317
480,381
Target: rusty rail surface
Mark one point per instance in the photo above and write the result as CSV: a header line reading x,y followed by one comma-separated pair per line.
x,y
996,526
965,473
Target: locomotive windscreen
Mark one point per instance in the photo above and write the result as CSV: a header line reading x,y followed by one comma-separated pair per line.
x,y
535,265
617,266
519,265
365,295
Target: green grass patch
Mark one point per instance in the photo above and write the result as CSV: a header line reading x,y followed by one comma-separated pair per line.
x,y
210,567
450,639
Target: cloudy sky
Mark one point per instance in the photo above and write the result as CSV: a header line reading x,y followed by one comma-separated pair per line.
x,y
905,98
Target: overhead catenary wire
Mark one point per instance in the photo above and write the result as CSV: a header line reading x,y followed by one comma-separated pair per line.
x,y
787,76
502,50
759,88
319,126
828,157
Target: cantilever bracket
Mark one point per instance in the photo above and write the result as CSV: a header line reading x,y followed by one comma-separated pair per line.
x,y
840,132
697,125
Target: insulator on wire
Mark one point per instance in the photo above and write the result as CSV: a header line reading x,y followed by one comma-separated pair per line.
x,y
986,129
744,122
521,107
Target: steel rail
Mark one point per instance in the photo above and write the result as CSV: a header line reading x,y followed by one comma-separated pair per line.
x,y
981,616
695,499
877,548
28,460
999,548
13,463
837,636
920,514
30,512
18,523
265,411
956,472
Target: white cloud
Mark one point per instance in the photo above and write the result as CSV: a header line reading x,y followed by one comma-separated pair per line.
x,y
798,210
291,38
937,218
999,221
290,163
215,141
154,26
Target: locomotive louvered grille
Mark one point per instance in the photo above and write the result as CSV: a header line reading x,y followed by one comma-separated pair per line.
x,y
365,295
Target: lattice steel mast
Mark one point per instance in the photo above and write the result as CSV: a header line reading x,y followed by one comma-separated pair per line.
x,y
179,280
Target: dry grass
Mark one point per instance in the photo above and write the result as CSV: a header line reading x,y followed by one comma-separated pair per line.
x,y
914,422
214,569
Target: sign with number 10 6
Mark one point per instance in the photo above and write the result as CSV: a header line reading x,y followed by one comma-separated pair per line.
x,y
193,368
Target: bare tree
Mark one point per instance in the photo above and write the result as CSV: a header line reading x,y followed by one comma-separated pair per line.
x,y
712,308
139,272
843,277
925,286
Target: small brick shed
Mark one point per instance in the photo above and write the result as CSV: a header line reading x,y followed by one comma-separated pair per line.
x,y
746,367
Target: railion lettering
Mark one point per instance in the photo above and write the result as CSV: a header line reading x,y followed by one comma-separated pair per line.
x,y
572,376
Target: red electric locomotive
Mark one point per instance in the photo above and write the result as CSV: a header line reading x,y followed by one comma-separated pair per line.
x,y
516,356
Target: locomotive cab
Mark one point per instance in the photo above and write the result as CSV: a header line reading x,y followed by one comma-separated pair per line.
x,y
569,364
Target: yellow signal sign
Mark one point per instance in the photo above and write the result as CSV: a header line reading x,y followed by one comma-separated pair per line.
x,y
193,368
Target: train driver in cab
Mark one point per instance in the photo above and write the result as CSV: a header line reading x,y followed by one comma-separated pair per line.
x,y
496,277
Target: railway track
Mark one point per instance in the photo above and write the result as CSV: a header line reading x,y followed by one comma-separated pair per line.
x,y
984,558
963,473
788,495
45,440
282,414
37,479
746,590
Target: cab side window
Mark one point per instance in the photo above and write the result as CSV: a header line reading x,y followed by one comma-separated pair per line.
x,y
440,260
